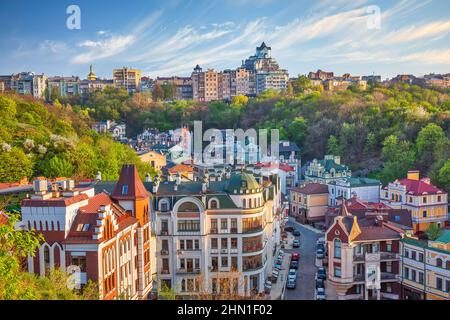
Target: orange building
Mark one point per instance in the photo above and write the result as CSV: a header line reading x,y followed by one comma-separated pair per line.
x,y
427,203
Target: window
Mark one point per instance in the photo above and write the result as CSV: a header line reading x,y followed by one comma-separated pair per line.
x,y
337,248
439,284
80,227
214,243
389,247
420,256
189,226
234,243
164,206
223,224
424,214
414,255
413,275
389,267
439,199
421,277
85,227
447,286
213,225
196,244
214,263
234,225
424,200
234,264
181,244
406,273
337,272
224,261
224,243
164,226
124,189
439,262
375,248
213,204
406,253
80,262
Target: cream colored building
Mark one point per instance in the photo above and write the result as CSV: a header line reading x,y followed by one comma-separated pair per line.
x,y
155,159
309,202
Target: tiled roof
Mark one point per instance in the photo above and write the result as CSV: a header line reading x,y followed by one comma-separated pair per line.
x,y
129,186
419,187
180,168
372,232
312,188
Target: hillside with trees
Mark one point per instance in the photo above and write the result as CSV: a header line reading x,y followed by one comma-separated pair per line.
x,y
55,140
381,132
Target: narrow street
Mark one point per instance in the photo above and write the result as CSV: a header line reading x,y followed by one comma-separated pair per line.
x,y
307,269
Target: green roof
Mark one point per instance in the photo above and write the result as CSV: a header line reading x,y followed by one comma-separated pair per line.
x,y
241,181
422,244
358,182
445,237
331,164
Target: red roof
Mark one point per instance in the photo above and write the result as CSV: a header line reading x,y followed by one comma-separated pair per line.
x,y
54,202
129,186
312,188
419,187
181,168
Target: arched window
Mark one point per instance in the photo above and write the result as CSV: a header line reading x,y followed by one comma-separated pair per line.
x,y
337,248
188,207
46,256
439,262
164,205
213,204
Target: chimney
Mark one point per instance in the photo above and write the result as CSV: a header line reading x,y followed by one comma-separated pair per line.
x,y
98,177
70,184
414,175
55,190
40,186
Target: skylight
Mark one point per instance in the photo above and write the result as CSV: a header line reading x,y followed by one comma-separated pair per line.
x,y
124,189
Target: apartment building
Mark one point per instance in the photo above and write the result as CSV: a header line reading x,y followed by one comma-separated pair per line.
x,y
100,237
210,230
327,170
127,78
363,188
182,86
425,268
321,75
64,86
364,254
29,83
427,203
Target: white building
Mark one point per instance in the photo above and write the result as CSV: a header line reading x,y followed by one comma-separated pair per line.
x,y
207,229
368,190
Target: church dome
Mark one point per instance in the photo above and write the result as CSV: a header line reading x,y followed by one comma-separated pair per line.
x,y
241,181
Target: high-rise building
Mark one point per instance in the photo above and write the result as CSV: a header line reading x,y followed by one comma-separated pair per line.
x,y
205,84
127,78
268,74
182,86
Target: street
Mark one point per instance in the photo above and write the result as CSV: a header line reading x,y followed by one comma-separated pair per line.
x,y
306,272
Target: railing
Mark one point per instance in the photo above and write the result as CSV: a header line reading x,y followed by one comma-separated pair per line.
x,y
250,249
164,232
164,252
189,271
253,230
386,276
389,256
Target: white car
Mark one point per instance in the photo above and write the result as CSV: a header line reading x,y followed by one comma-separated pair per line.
x,y
320,294
292,274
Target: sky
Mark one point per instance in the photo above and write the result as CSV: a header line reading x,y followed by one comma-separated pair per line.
x,y
165,38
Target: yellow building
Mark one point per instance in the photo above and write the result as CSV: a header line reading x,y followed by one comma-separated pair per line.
x,y
425,269
127,78
427,203
309,203
155,159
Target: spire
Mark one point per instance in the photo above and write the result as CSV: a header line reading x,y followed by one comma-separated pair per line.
x,y
91,76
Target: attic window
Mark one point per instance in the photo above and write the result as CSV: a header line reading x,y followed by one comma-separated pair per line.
x,y
124,189
397,218
82,227
85,227
79,227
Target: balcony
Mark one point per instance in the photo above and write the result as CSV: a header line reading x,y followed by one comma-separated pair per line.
x,y
253,230
165,271
379,256
165,252
189,271
214,251
224,251
164,232
250,249
389,256
388,277
213,231
252,267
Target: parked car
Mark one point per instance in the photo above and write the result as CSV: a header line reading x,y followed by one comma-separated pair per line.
x,y
289,229
293,265
296,233
291,284
292,274
320,253
320,283
268,287
281,252
286,220
321,274
295,257
275,275
277,265
296,243
320,294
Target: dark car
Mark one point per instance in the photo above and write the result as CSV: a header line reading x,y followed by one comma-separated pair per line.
x,y
320,283
291,284
296,233
289,229
296,244
293,265
322,274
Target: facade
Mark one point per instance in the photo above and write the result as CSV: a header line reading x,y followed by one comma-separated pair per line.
x,y
127,78
365,189
117,131
427,203
321,75
268,75
156,159
364,256
29,83
327,170
425,268
211,229
309,203
182,85
103,238
286,173
64,86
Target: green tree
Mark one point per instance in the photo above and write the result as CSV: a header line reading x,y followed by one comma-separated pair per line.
x,y
333,147
432,145
443,178
58,167
15,165
434,231
7,109
399,158
297,130
158,93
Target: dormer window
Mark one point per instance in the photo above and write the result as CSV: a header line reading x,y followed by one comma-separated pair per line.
x,y
124,189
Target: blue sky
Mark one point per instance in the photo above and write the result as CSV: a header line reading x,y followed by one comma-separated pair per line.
x,y
170,37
